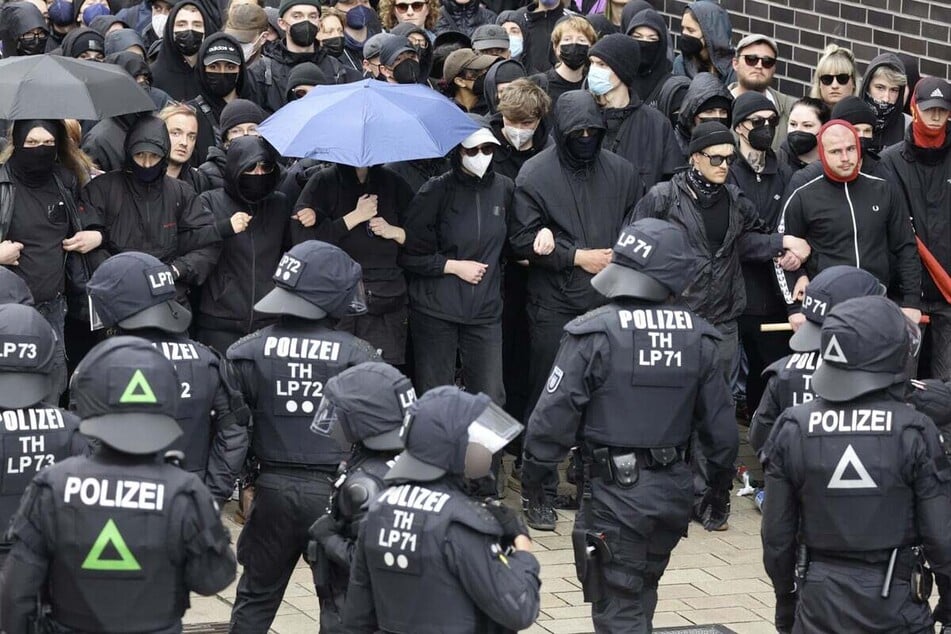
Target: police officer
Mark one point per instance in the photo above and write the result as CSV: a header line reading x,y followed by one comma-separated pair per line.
x,y
13,290
362,407
429,558
118,538
135,293
282,370
34,434
859,479
789,380
642,374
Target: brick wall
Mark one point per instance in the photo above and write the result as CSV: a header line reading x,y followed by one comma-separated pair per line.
x,y
802,28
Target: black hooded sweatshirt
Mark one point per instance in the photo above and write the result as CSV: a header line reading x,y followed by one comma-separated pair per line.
x,y
17,18
509,160
270,72
652,73
537,53
171,71
584,204
893,131
702,87
243,272
717,34
72,41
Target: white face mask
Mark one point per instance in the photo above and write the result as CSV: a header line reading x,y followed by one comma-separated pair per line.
x,y
158,23
249,50
477,164
518,137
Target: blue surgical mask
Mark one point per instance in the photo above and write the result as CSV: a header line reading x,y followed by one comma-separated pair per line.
x,y
599,80
515,46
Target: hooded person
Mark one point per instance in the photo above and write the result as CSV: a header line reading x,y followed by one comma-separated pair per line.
x,y
706,99
139,69
124,40
885,88
521,125
84,43
537,21
705,44
500,74
23,30
243,270
671,98
239,118
654,68
634,131
463,17
174,70
104,23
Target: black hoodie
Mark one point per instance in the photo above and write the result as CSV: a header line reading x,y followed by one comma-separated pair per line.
x,y
268,75
171,71
537,53
702,87
74,39
464,18
17,18
651,76
508,160
894,126
717,34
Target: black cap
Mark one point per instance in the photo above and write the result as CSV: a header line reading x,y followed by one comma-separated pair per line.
x,y
135,290
392,48
866,344
707,134
436,434
854,110
489,36
13,289
452,37
748,103
240,111
829,288
223,50
652,260
314,279
27,353
369,402
933,92
126,392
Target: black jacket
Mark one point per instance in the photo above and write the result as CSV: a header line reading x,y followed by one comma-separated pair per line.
x,y
213,168
644,137
650,80
717,292
584,206
457,216
923,176
105,143
537,53
243,271
171,71
17,18
464,18
509,160
269,74
702,87
416,173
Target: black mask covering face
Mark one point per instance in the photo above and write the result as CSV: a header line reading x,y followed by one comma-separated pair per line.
x,y
35,46
188,42
649,53
801,142
870,147
690,46
148,175
304,33
33,165
407,72
761,138
478,86
333,46
574,56
256,187
584,148
221,84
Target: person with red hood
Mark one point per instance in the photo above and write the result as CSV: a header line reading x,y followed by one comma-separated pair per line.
x,y
854,219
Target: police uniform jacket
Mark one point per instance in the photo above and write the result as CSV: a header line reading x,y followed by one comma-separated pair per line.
x,y
788,383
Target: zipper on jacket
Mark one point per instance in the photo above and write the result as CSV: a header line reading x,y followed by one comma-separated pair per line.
x,y
855,227
478,229
253,279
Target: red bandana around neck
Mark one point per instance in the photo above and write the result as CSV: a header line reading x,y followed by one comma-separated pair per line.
x,y
921,134
830,174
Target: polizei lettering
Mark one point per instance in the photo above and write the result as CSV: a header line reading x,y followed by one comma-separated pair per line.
x,y
838,421
657,319
301,348
176,351
415,497
34,419
122,494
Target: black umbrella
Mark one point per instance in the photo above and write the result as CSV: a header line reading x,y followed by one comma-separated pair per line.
x,y
55,87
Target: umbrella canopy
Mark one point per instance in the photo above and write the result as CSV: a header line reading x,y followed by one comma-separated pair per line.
x,y
368,123
55,87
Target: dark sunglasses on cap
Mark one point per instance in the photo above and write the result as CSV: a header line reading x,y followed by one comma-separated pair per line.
x,y
488,149
403,7
841,79
759,122
765,60
716,160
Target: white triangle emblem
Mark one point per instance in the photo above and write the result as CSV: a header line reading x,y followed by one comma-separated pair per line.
x,y
834,351
850,458
937,93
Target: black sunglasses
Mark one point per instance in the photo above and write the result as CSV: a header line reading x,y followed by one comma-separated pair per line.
x,y
403,7
759,122
716,160
765,60
841,79
488,149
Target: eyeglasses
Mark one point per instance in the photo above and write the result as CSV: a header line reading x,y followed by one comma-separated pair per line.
x,y
28,38
577,134
759,122
716,160
403,7
765,60
842,79
488,149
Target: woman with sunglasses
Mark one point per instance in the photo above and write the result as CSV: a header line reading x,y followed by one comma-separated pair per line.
x,y
422,13
835,77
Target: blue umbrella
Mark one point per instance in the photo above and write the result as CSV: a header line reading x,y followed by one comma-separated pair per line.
x,y
368,123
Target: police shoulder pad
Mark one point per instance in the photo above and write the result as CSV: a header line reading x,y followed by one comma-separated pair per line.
x,y
776,367
243,348
473,514
705,328
592,321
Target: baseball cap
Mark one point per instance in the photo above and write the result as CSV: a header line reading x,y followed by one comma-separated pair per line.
x,y
392,48
126,392
754,38
374,45
365,404
245,22
933,92
223,51
465,59
479,137
13,289
829,288
315,279
866,344
489,36
27,352
651,260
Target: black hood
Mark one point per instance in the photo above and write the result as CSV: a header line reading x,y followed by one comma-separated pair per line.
x,y
702,87
426,57
492,81
671,97
17,18
147,128
242,154
647,81
631,9
893,61
120,40
717,35
575,110
75,40
168,54
131,63
217,103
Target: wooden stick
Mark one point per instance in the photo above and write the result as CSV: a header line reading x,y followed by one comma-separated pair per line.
x,y
780,327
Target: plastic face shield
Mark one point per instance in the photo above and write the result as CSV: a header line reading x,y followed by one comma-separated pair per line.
x,y
326,422
493,429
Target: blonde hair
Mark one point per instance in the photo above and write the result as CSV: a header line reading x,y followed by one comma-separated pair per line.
x,y
333,12
388,14
524,100
174,109
834,60
68,153
574,23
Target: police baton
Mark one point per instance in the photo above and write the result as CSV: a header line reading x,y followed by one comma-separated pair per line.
x,y
787,327
887,585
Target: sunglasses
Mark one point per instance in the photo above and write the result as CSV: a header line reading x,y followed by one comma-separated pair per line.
x,y
403,7
488,149
717,160
577,134
764,60
842,79
759,122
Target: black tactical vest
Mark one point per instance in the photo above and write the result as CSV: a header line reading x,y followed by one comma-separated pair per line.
x,y
405,534
32,438
647,399
115,567
292,363
794,378
853,495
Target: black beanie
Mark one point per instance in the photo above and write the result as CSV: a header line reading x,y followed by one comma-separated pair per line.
x,y
748,103
287,4
854,110
621,53
306,74
237,112
709,133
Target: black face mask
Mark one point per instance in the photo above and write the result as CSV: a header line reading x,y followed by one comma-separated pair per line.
x,y
690,46
188,42
33,165
303,33
221,84
333,46
761,138
256,187
573,56
801,142
649,53
870,147
478,86
407,72
584,148
34,46
149,175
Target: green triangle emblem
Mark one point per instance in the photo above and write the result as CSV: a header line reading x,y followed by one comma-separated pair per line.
x,y
138,390
110,535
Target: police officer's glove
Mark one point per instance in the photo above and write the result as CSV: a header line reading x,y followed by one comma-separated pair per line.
x,y
785,611
511,520
324,528
714,509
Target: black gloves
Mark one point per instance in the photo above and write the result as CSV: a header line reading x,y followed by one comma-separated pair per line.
x,y
785,611
511,520
714,509
324,527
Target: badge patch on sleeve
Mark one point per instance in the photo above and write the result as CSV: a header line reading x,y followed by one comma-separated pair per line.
x,y
554,380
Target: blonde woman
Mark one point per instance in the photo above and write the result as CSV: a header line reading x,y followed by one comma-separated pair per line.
x,y
834,78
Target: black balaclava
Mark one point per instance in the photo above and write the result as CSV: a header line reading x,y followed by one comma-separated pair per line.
x,y
33,166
